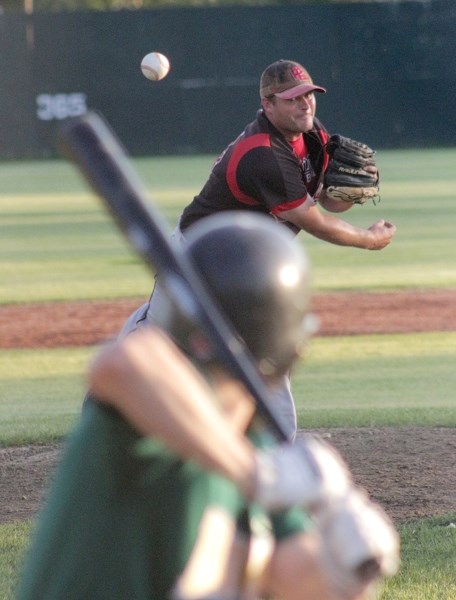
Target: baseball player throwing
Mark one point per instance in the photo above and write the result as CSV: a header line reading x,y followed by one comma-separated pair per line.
x,y
285,165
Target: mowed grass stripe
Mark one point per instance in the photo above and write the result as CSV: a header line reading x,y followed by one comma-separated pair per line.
x,y
403,379
47,208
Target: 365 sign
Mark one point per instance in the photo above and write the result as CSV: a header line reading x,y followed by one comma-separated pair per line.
x,y
50,107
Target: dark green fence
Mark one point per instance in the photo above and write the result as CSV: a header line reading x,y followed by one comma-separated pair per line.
x,y
390,70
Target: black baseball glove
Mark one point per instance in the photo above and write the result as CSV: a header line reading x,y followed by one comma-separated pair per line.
x,y
346,178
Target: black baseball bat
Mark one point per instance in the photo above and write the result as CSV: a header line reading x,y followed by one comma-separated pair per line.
x,y
92,145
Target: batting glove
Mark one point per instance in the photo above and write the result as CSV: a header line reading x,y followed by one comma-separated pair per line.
x,y
308,473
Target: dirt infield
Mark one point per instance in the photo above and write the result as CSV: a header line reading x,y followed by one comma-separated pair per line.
x,y
82,323
409,470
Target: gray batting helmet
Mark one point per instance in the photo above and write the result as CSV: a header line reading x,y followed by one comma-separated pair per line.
x,y
259,276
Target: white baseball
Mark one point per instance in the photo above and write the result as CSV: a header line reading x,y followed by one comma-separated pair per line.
x,y
155,66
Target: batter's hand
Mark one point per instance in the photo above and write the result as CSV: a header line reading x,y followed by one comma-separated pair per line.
x,y
381,234
308,473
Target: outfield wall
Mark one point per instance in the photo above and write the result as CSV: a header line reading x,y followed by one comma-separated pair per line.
x,y
390,69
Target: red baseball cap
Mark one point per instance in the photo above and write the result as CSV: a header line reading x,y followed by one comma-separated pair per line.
x,y
287,79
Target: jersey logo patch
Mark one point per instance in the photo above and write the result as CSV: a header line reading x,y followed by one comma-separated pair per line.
x,y
308,172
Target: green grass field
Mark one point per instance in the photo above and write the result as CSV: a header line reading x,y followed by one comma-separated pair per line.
x,y
57,243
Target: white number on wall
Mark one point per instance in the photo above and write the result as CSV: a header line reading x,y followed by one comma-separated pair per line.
x,y
60,106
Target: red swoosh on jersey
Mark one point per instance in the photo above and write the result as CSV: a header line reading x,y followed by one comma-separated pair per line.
x,y
241,149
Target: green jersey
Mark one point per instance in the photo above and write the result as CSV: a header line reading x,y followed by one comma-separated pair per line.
x,y
121,516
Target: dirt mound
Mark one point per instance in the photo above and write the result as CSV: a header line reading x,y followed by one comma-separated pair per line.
x,y
409,470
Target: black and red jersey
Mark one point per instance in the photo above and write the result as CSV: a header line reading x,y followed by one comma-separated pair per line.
x,y
261,171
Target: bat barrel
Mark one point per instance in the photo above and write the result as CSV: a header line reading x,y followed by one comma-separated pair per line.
x,y
91,144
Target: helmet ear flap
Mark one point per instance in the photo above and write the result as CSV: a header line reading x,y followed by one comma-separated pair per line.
x,y
183,330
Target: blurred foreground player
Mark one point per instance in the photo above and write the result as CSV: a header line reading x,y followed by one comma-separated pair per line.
x,y
170,488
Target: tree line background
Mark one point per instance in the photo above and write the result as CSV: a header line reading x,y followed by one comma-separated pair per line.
x,y
29,6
